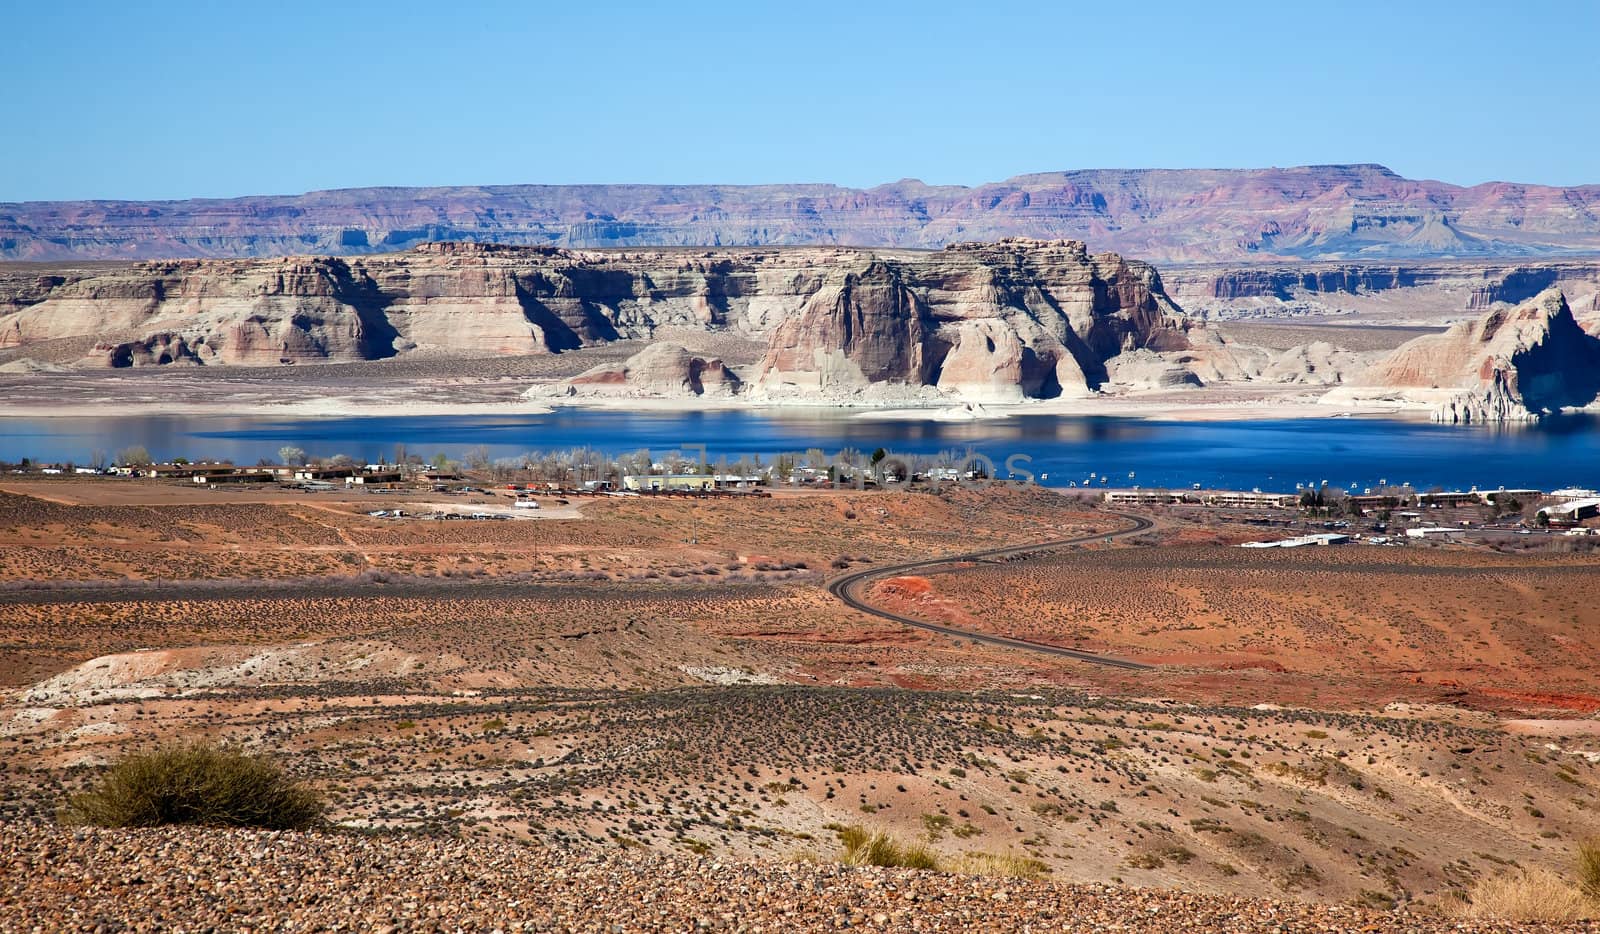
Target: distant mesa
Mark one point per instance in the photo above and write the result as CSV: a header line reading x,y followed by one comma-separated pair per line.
x,y
1166,216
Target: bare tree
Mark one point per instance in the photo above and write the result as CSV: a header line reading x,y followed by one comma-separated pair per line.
x,y
135,456
477,458
292,456
637,464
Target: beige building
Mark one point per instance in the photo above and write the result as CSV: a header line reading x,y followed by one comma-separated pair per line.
x,y
669,482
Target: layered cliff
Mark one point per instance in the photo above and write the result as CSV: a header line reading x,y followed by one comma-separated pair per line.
x,y
996,322
986,322
1513,363
1166,216
1420,290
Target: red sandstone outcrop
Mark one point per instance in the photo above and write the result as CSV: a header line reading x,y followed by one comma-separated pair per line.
x,y
1513,363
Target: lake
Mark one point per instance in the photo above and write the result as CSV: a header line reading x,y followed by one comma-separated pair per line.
x,y
1270,455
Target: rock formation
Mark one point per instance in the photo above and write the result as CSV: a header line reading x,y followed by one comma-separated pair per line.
x,y
1510,364
664,370
997,322
982,322
1166,216
1421,291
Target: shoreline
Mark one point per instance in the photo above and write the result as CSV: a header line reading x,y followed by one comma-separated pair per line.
x,y
1223,404
312,408
1151,410
184,399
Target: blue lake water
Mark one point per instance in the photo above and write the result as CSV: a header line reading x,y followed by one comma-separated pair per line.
x,y
1270,455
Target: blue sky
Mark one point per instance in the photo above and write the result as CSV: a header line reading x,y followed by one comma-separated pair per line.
x,y
165,100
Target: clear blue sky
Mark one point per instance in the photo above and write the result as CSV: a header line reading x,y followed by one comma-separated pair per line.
x,y
159,100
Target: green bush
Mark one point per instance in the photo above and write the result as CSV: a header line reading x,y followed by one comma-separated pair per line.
x,y
196,784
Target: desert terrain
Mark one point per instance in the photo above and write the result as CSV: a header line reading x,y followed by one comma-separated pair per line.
x,y
668,682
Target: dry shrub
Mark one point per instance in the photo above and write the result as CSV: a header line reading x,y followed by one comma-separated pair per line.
x,y
1589,870
863,847
1535,894
1000,864
196,783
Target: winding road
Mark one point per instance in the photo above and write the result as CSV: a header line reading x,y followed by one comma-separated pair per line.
x,y
847,586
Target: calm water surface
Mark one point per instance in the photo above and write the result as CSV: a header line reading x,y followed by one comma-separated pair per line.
x,y
1271,455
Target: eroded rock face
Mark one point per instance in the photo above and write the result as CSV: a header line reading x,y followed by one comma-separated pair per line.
x,y
1513,363
1316,364
663,370
1421,290
261,313
979,322
982,322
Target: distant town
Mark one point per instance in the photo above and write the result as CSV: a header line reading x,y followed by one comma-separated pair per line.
x,y
1324,515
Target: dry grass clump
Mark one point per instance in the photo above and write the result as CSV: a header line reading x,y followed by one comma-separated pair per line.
x,y
863,847
196,783
1589,870
1535,894
999,864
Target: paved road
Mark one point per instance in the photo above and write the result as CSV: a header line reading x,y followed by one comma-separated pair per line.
x,y
847,587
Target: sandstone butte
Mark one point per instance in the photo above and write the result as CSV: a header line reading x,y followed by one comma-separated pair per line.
x,y
1512,363
1328,212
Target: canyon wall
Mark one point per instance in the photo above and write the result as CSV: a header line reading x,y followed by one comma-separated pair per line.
x,y
1350,212
1003,321
1422,289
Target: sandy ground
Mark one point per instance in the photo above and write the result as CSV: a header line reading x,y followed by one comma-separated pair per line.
x,y
672,676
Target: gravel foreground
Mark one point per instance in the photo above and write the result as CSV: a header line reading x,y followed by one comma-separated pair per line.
x,y
58,879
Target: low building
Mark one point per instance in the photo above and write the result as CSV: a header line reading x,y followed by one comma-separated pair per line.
x,y
1430,532
183,471
1324,538
240,476
1249,499
1572,512
738,481
1142,497
323,473
1373,501
671,482
1457,498
1521,496
373,477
